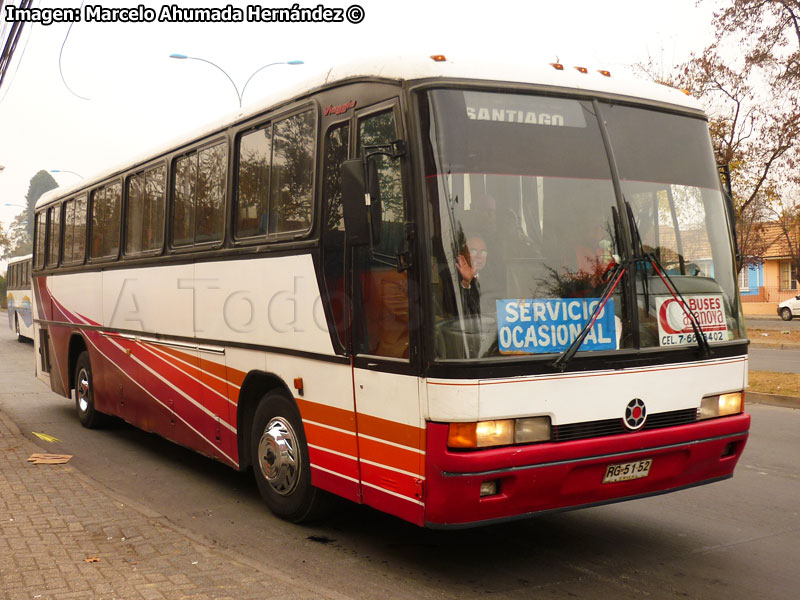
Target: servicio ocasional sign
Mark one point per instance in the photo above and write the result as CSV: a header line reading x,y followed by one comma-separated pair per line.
x,y
675,327
537,326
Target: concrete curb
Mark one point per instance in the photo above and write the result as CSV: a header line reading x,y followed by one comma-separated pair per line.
x,y
776,346
771,399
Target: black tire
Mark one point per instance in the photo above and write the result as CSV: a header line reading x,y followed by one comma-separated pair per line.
x,y
20,338
279,455
89,416
786,314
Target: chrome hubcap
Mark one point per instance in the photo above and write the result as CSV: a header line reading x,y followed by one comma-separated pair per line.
x,y
82,390
278,456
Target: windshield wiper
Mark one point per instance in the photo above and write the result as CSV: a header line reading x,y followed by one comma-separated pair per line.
x,y
619,270
639,256
614,277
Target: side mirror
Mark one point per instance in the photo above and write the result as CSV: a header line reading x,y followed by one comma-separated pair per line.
x,y
361,202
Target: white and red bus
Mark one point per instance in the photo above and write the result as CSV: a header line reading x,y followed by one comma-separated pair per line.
x,y
457,293
18,297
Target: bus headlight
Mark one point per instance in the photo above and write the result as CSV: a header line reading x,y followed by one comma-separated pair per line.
x,y
504,432
533,429
721,405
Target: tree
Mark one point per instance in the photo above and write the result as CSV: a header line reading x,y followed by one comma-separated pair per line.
x,y
749,82
4,242
20,234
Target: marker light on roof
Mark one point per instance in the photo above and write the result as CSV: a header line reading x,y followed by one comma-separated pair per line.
x,y
605,73
557,66
583,70
439,57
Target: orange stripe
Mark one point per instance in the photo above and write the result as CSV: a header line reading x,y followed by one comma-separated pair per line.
x,y
391,456
327,415
331,440
399,433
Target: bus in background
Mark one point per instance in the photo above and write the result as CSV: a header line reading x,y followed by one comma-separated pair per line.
x,y
459,293
18,297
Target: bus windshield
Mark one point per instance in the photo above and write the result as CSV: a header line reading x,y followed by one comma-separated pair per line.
x,y
526,226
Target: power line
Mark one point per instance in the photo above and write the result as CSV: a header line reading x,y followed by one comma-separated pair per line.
x,y
11,42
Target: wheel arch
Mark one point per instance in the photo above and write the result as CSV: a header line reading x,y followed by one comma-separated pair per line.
x,y
255,385
77,345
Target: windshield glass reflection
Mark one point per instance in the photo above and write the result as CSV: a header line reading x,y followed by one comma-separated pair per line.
x,y
525,231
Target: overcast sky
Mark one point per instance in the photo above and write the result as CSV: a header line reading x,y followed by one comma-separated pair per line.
x,y
139,98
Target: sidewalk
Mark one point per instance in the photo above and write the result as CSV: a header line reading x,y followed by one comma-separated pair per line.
x,y
64,536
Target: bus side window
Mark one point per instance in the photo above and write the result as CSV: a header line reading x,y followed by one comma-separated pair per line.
x,y
336,142
41,223
384,290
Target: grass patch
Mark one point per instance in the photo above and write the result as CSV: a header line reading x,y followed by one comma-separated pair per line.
x,y
773,336
768,382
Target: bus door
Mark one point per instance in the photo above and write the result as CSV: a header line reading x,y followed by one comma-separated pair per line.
x,y
390,428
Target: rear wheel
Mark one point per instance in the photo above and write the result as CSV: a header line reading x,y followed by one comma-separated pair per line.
x,y
20,337
279,455
786,314
89,416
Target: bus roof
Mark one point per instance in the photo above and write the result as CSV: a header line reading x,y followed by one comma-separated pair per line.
x,y
16,259
410,69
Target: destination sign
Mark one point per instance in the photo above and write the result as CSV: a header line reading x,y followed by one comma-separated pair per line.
x,y
538,326
518,108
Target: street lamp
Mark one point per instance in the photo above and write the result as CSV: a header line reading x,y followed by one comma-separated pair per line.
x,y
239,94
18,205
65,171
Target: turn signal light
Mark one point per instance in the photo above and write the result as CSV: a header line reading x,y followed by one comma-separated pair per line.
x,y
438,58
557,66
583,70
605,73
504,432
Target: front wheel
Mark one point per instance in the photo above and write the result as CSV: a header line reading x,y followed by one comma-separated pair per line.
x,y
281,466
786,314
89,416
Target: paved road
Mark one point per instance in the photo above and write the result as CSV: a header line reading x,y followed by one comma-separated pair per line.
x,y
773,359
734,540
774,323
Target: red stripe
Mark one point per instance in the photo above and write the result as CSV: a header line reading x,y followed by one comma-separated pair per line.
x,y
400,483
333,462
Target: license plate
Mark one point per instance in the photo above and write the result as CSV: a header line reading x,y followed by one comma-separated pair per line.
x,y
626,471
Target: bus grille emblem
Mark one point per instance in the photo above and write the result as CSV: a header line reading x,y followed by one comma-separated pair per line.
x,y
635,414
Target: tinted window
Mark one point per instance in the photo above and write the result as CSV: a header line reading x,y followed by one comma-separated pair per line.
x,y
333,235
211,177
54,214
292,174
69,229
145,219
185,185
199,212
41,222
106,221
252,202
276,177
79,232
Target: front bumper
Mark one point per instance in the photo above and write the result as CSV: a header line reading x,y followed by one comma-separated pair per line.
x,y
559,476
